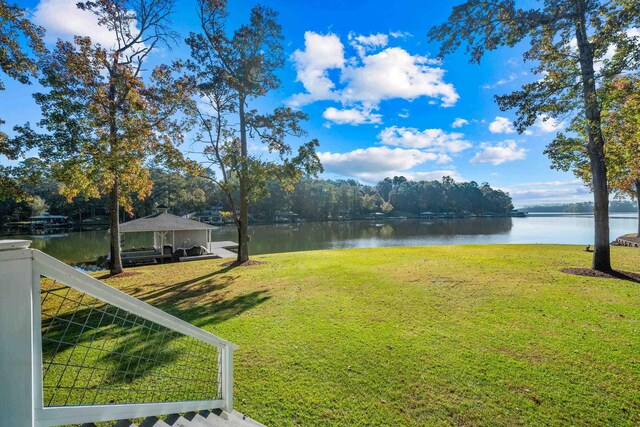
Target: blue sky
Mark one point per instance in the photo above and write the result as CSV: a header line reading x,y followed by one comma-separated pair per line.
x,y
378,101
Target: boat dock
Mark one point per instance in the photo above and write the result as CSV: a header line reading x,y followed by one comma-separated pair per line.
x,y
174,239
216,250
223,249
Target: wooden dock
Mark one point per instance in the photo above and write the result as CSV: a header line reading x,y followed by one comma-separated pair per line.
x,y
222,249
216,250
216,254
226,244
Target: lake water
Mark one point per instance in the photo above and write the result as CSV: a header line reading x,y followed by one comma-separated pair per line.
x,y
87,246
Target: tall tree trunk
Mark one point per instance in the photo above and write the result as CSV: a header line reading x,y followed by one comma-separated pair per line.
x,y
243,222
638,202
115,263
595,148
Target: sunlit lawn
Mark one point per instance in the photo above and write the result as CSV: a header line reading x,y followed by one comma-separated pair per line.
x,y
464,335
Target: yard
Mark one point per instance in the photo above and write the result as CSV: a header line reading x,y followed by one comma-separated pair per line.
x,y
464,335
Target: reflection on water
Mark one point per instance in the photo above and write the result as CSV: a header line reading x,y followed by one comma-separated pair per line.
x,y
358,234
82,246
87,246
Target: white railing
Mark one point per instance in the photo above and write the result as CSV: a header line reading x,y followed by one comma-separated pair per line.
x,y
21,344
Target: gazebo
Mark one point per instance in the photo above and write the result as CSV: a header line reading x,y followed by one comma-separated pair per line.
x,y
171,233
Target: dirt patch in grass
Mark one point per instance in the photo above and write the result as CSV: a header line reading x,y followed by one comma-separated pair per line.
x,y
589,272
234,264
118,276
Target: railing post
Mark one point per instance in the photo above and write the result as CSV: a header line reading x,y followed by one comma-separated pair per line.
x,y
227,378
17,373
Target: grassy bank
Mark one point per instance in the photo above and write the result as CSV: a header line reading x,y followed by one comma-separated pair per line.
x,y
465,335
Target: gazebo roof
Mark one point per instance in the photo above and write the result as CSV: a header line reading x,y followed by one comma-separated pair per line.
x,y
162,222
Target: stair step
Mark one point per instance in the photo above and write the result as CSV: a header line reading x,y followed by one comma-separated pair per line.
x,y
177,420
153,422
197,420
234,419
217,418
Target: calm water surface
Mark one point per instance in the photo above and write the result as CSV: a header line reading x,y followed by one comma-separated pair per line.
x,y
87,246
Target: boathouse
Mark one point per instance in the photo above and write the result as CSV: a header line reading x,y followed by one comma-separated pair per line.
x,y
174,239
170,232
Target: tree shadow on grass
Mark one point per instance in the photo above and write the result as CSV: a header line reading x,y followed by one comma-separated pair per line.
x,y
91,336
613,274
200,300
220,283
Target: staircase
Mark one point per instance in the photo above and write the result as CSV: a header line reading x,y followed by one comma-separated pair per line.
x,y
76,351
192,419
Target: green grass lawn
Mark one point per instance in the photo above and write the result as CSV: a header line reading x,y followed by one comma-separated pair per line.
x,y
462,335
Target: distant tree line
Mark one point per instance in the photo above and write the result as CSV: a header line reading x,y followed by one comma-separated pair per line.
x,y
313,199
317,199
444,196
182,193
582,207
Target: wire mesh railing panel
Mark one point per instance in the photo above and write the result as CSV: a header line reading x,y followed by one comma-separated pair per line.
x,y
96,354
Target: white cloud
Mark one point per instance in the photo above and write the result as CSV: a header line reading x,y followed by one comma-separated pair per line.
x,y
62,19
321,54
372,40
532,194
366,81
363,44
376,163
404,114
548,124
502,152
430,139
510,79
437,175
400,34
351,116
501,125
458,123
394,73
572,182
374,159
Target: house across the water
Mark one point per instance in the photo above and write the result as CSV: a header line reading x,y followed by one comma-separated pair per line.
x,y
286,217
47,221
210,216
518,213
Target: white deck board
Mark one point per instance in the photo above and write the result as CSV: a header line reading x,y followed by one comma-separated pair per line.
x,y
215,253
223,244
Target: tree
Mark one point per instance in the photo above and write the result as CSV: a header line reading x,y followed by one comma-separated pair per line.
x,y
103,119
38,206
230,72
621,129
181,192
17,63
569,41
384,188
622,132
